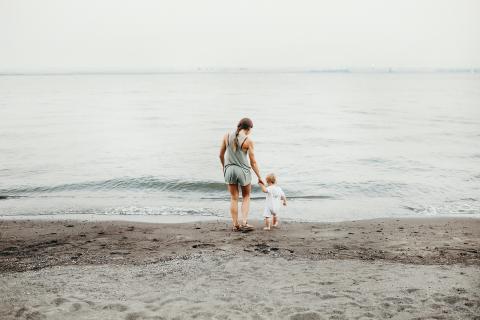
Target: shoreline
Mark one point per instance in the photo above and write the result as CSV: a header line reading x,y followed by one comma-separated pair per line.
x,y
134,218
174,218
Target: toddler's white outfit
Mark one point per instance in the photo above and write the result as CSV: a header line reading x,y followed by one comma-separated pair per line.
x,y
273,201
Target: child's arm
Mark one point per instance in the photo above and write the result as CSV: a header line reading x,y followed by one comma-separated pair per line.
x,y
262,186
284,198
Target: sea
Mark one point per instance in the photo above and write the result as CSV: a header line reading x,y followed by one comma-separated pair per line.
x,y
344,145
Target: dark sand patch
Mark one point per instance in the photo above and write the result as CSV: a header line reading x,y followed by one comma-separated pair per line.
x,y
32,245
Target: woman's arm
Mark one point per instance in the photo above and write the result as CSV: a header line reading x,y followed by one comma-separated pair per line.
x,y
223,149
253,162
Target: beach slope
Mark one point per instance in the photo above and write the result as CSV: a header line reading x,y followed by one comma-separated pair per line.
x,y
387,268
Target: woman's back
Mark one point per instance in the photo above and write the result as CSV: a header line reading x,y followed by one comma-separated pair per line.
x,y
235,153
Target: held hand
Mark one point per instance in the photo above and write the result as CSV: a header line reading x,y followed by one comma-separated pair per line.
x,y
285,203
260,181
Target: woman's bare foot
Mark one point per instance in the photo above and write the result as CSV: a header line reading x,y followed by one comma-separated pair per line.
x,y
247,226
266,228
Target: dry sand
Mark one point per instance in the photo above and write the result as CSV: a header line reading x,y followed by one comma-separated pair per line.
x,y
392,268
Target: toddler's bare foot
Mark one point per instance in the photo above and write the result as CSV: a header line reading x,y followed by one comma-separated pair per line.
x,y
266,228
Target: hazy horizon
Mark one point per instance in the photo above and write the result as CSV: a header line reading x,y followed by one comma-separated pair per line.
x,y
59,36
473,70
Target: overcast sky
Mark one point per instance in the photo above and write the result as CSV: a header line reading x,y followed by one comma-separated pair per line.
x,y
149,35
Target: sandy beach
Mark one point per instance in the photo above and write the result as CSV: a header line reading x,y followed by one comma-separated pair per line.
x,y
426,268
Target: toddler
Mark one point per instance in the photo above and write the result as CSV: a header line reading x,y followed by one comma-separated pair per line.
x,y
274,198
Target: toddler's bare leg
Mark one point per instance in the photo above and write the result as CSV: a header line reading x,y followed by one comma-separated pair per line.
x,y
275,220
267,224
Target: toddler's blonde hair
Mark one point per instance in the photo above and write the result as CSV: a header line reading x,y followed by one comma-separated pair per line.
x,y
271,178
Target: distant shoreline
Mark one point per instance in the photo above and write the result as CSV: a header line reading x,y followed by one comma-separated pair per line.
x,y
473,70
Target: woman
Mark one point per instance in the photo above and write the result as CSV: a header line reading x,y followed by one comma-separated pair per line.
x,y
236,169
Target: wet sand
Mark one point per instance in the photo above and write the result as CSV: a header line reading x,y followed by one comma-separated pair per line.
x,y
390,268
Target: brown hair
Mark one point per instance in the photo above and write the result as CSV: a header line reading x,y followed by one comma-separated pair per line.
x,y
271,178
244,124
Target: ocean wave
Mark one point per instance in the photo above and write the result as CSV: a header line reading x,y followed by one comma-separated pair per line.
x,y
124,183
215,190
451,208
124,211
162,211
140,184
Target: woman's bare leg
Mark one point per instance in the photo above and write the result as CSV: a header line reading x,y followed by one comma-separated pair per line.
x,y
245,203
233,189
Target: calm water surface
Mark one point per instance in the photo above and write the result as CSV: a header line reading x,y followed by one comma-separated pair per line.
x,y
344,146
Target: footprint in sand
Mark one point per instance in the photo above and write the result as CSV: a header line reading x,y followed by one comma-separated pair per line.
x,y
203,315
306,316
337,312
60,301
116,306
35,316
20,312
75,307
326,283
262,247
452,299
328,296
135,316
203,245
368,315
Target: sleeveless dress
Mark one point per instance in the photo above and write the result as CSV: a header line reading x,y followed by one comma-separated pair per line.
x,y
237,166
